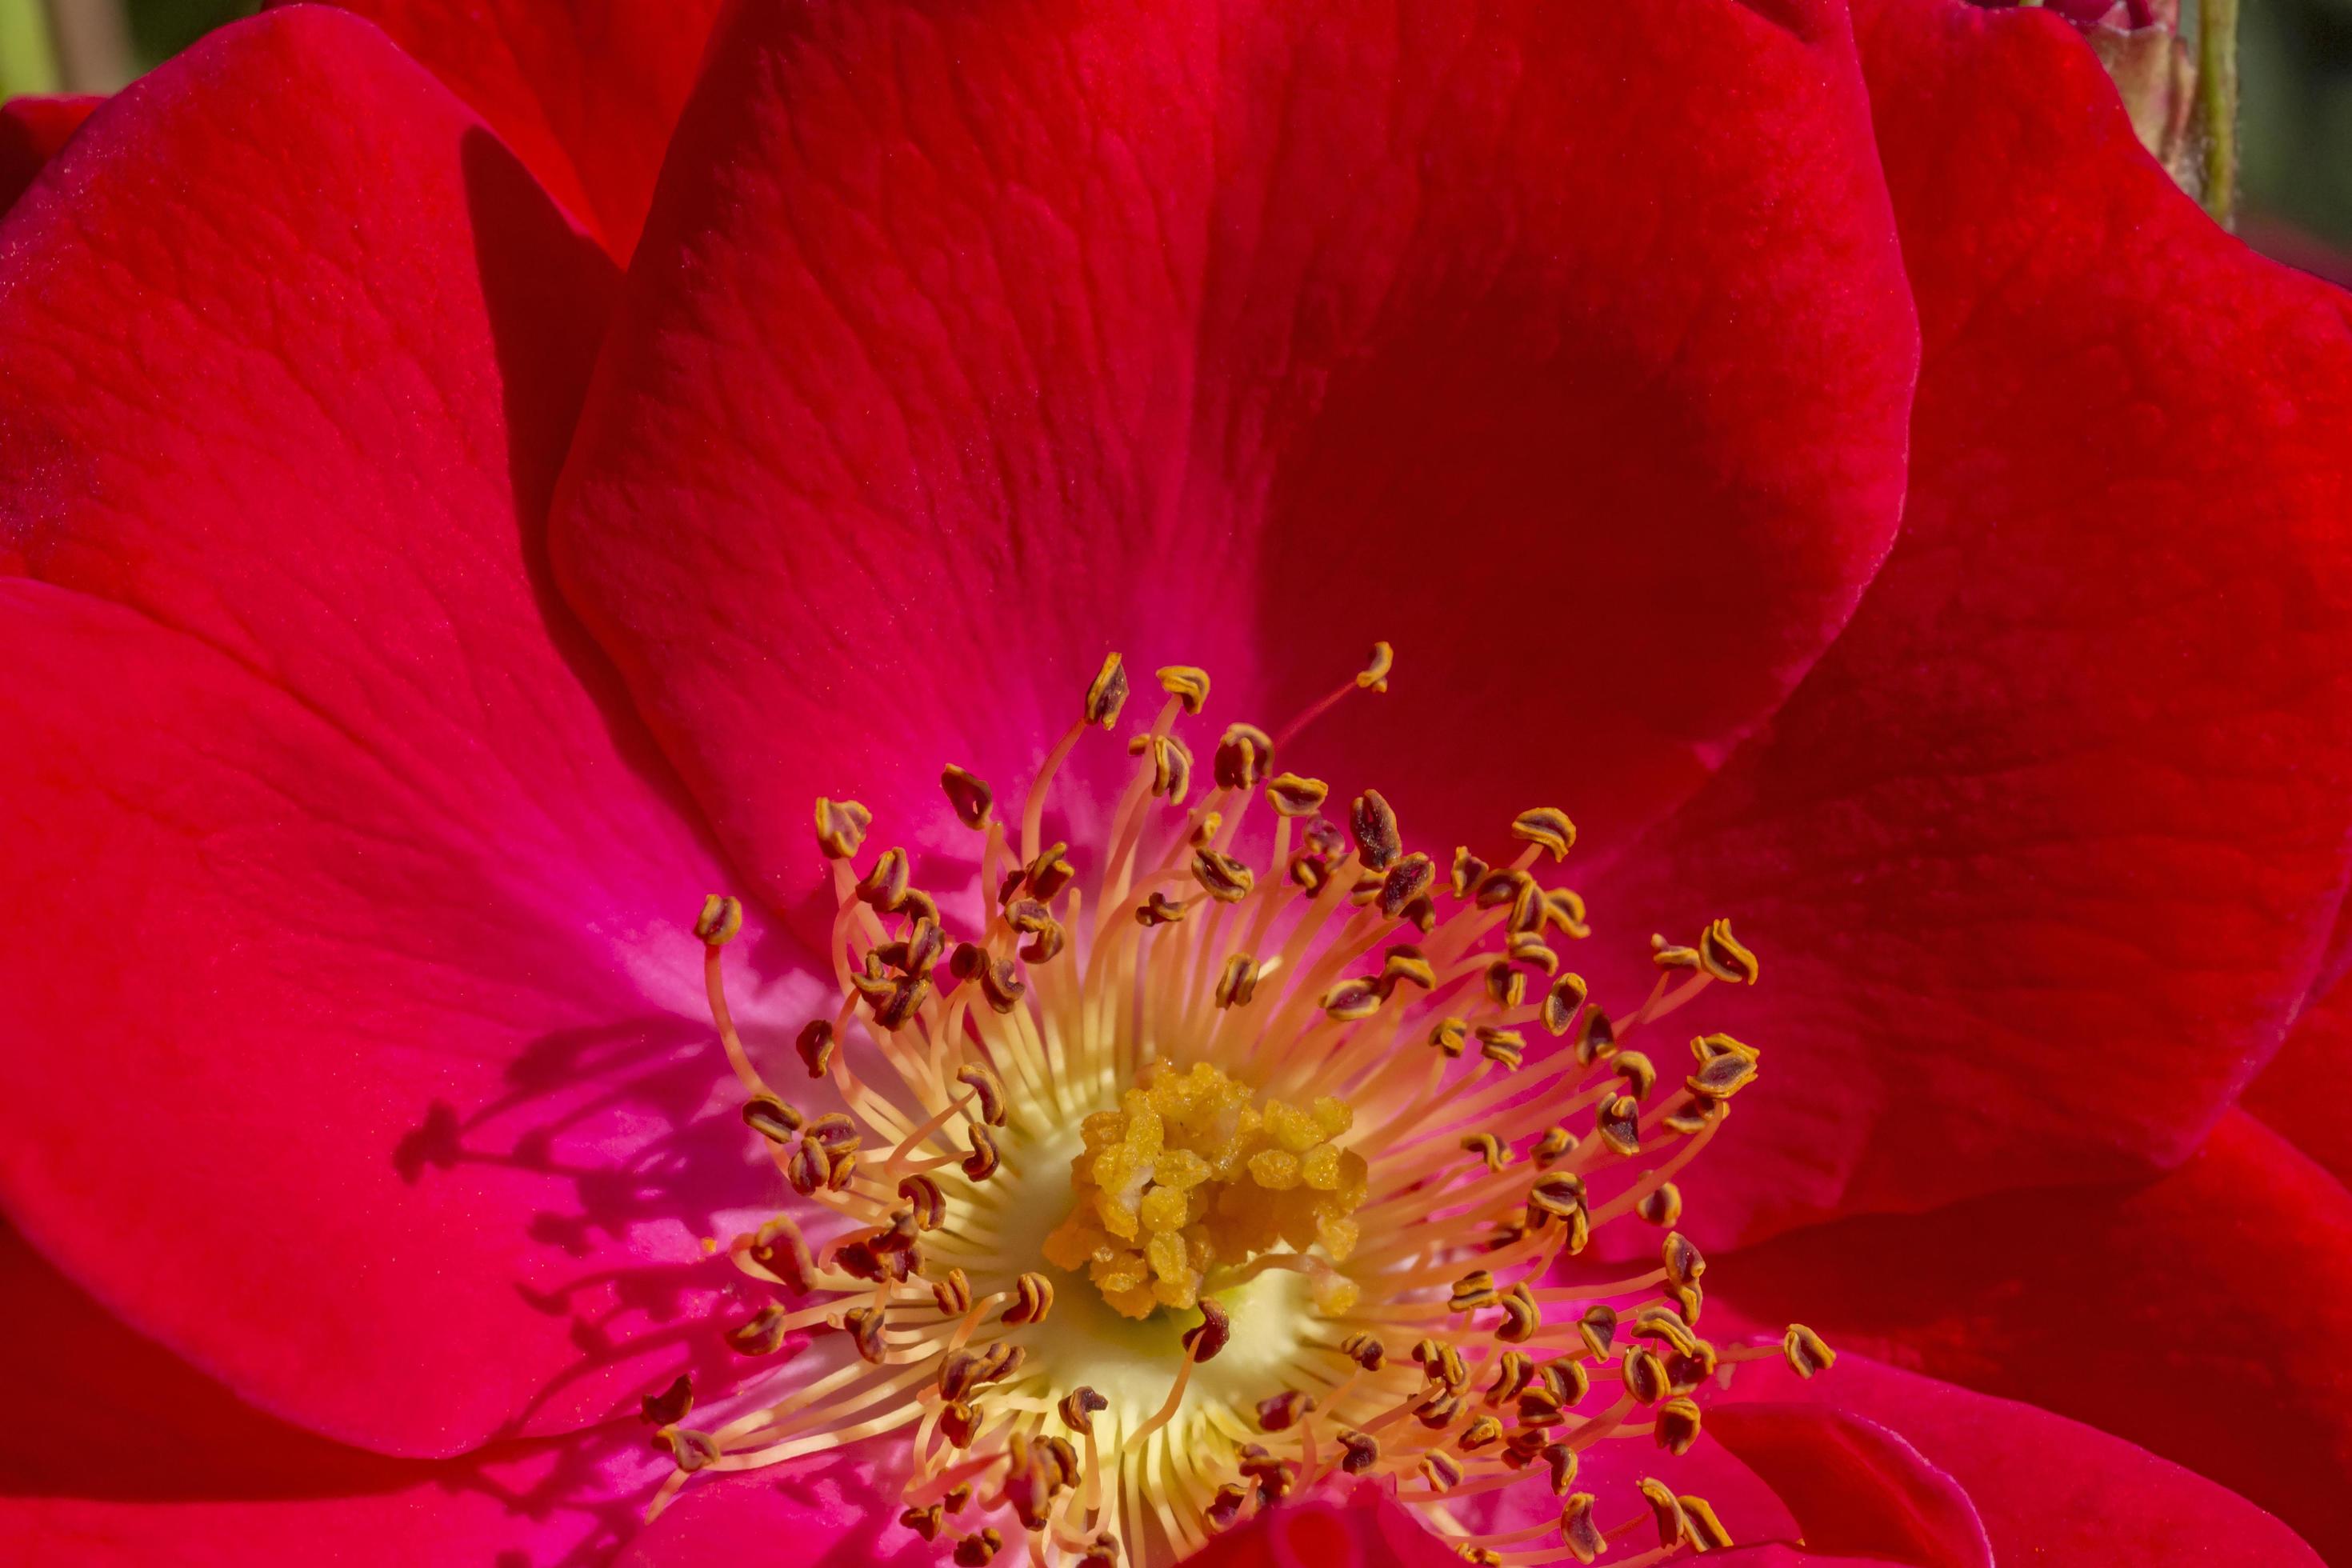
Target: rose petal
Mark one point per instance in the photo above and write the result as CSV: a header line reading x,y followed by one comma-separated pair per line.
x,y
585,94
2299,1095
965,348
2188,1315
827,1510
2043,853
1855,1487
355,1041
31,132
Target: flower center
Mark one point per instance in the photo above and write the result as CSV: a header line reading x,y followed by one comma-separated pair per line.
x,y
1254,1117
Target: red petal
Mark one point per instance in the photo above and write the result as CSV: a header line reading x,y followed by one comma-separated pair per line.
x,y
2044,851
31,132
2300,1094
1855,1487
835,1508
2048,1489
353,1029
586,94
2189,1315
967,347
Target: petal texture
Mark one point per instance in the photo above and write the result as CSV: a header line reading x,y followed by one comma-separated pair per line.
x,y
585,92
2296,1095
344,984
1855,1488
2178,1314
968,343
2043,853
31,132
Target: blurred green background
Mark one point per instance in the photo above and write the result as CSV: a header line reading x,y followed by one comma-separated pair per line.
x,y
2296,75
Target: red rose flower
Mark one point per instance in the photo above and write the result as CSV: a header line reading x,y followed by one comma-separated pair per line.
x,y
1820,452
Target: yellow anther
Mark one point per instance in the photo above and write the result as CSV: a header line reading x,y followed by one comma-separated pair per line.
x,y
1483,1433
1365,1350
1618,1123
1521,1316
1663,1206
1108,694
691,1450
1358,1451
925,1201
1171,764
841,826
1725,1067
1473,1290
1556,1141
1405,966
1565,910
1449,1035
1489,1148
1033,1298
1597,1327
1529,948
1227,878
1469,871
780,1250
1635,1070
1079,1407
988,1092
953,1292
1243,756
981,1162
1724,957
1682,1258
1406,884
1292,795
1506,1047
969,795
1373,825
772,1118
1238,982
1562,1460
1706,1533
1442,1362
1595,1036
1806,1350
884,886
1350,1000
1674,1527
1513,1371
1665,1323
1507,985
1671,955
1049,873
1441,1469
1566,1380
1577,1531
1547,826
1374,675
1691,1117
1159,910
761,1334
1645,1375
1186,683
721,919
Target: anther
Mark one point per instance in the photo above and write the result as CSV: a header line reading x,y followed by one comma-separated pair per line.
x,y
1440,1362
1472,1292
772,1118
926,1522
1358,1451
1806,1350
721,919
976,1549
1672,956
1506,1047
1210,1335
1159,910
952,1293
1365,1350
1529,948
1001,984
1033,1298
1598,1328
1171,764
884,886
1707,1531
864,1326
1448,1036
959,1422
1618,1123
1441,1469
1187,684
1513,1371
1226,1506
981,1162
1684,1261
1547,827
1725,1067
761,1334
1079,1408
1374,675
691,1449
1108,695
1405,965
1351,999
1243,756
1050,873
1663,1206
1292,795
1562,1460
1659,1323
1521,1316
1566,1380
987,1088
1489,1148
1645,1375
1564,909
1280,1411
1635,1070
1555,1142
1227,879
1483,1433
1238,981
1373,825
1673,1526
841,826
1595,1037
1406,882
815,1047
926,1201
1722,955
905,1000
783,1252
668,1407
1578,1531
1506,986
970,796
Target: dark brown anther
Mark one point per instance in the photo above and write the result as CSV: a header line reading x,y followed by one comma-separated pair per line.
x,y
1645,1375
1674,1527
1350,1000
1050,873
1373,825
918,905
1683,1260
761,1334
772,1118
976,1549
1310,870
906,999
1687,1371
1806,1350
1237,983
1171,765
873,980
1047,945
1672,956
988,1092
926,1522
1725,1067
1598,1328
1565,910
967,959
1618,1123
864,1326
1566,1380
1187,683
1440,1362
969,793
959,1422
1421,914
815,1047
833,1131
1358,1451
1595,1037
1404,965
1556,1141
1635,1070
1028,916
1557,1194
1663,1323
1662,1206
884,886
843,1167
1243,756
1293,796
780,1250
1489,1148
1011,885
1561,1003
1227,879
1438,1409
1108,695
1506,986
1159,910
1210,1335
1527,948
1001,984
1722,955
1033,1298
1281,1412
668,1407
1483,1433
721,919
981,1162
1079,1407
1472,1292
1577,1531
1469,872
1408,881
1547,827
841,826
1562,1460
1539,1409
1365,1350
1063,1458
1324,837
1448,1036
959,1373
692,1450
952,1293
1512,1371
806,1168
1521,1316
1505,1048
957,1497
925,1201
1274,1477
1226,1506
1441,1469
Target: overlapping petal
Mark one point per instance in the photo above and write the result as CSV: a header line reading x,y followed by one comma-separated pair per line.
x,y
2043,852
343,990
31,132
968,344
2296,1095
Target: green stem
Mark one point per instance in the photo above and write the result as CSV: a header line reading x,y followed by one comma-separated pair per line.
x,y
28,56
2217,103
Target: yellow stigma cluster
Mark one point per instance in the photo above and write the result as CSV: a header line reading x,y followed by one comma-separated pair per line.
x,y
1188,1175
